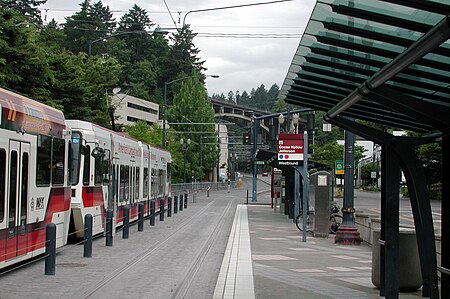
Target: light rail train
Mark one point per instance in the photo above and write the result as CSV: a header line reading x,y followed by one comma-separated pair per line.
x,y
58,170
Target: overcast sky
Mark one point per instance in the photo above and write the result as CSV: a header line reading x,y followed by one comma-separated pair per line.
x,y
242,63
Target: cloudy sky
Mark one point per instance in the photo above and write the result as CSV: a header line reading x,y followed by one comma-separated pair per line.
x,y
246,46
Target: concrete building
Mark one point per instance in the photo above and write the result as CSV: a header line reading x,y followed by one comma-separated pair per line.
x,y
131,109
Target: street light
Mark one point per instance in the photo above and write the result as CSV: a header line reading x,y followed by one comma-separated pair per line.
x,y
165,104
295,118
184,148
281,120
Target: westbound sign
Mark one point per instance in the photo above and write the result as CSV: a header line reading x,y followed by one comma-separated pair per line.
x,y
290,149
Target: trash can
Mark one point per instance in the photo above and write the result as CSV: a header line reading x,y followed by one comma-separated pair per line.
x,y
409,264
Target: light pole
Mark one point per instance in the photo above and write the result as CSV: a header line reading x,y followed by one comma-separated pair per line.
x,y
165,104
184,148
295,118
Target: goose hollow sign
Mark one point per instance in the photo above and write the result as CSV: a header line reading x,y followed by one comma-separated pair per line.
x,y
290,149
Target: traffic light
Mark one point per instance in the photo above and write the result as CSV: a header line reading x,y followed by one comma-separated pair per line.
x,y
246,139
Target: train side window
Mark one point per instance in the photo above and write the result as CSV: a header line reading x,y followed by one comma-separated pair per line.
x,y
87,165
102,168
12,189
136,190
2,183
116,181
127,182
43,161
122,183
58,158
160,182
145,180
153,184
24,195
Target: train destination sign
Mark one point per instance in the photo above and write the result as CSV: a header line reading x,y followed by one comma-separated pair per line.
x,y
290,149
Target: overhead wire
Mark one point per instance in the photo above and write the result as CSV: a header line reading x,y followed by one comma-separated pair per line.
x,y
170,13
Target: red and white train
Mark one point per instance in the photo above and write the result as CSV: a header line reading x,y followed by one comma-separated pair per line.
x,y
57,170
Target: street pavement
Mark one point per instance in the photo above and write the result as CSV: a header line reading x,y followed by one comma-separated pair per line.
x,y
218,247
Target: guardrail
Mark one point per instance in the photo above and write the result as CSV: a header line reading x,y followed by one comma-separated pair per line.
x,y
201,186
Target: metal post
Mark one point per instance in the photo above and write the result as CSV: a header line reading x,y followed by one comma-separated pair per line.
x,y
185,200
184,167
348,203
254,148
152,212
164,117
126,222
140,217
305,197
50,249
169,206
109,227
175,204
87,235
161,209
181,202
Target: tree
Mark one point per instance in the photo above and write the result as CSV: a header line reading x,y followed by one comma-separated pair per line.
x,y
431,156
191,105
91,23
184,54
24,61
332,151
27,8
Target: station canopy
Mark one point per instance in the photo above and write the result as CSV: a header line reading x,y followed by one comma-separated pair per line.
x,y
385,62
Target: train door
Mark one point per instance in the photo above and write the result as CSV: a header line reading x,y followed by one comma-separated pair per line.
x,y
17,199
132,182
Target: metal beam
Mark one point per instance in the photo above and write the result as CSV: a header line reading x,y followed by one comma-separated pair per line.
x,y
423,111
432,39
402,150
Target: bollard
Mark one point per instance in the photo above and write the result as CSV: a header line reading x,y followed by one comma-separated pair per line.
x,y
194,197
247,196
175,204
181,202
126,222
185,200
169,206
152,212
141,217
207,191
87,235
50,249
109,227
161,209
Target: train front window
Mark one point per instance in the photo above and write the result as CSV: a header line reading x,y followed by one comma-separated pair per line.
x,y
75,152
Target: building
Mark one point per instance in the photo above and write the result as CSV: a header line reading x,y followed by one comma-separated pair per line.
x,y
131,109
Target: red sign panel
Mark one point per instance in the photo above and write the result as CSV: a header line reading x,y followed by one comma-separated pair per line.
x,y
290,147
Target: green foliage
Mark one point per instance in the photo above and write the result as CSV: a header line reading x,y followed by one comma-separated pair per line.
x,y
191,105
431,157
330,152
148,134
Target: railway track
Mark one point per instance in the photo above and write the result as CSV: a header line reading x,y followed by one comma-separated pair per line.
x,y
169,245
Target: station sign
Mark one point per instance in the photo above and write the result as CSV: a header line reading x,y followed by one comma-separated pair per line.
x,y
290,149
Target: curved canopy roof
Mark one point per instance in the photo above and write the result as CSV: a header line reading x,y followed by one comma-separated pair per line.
x,y
386,62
